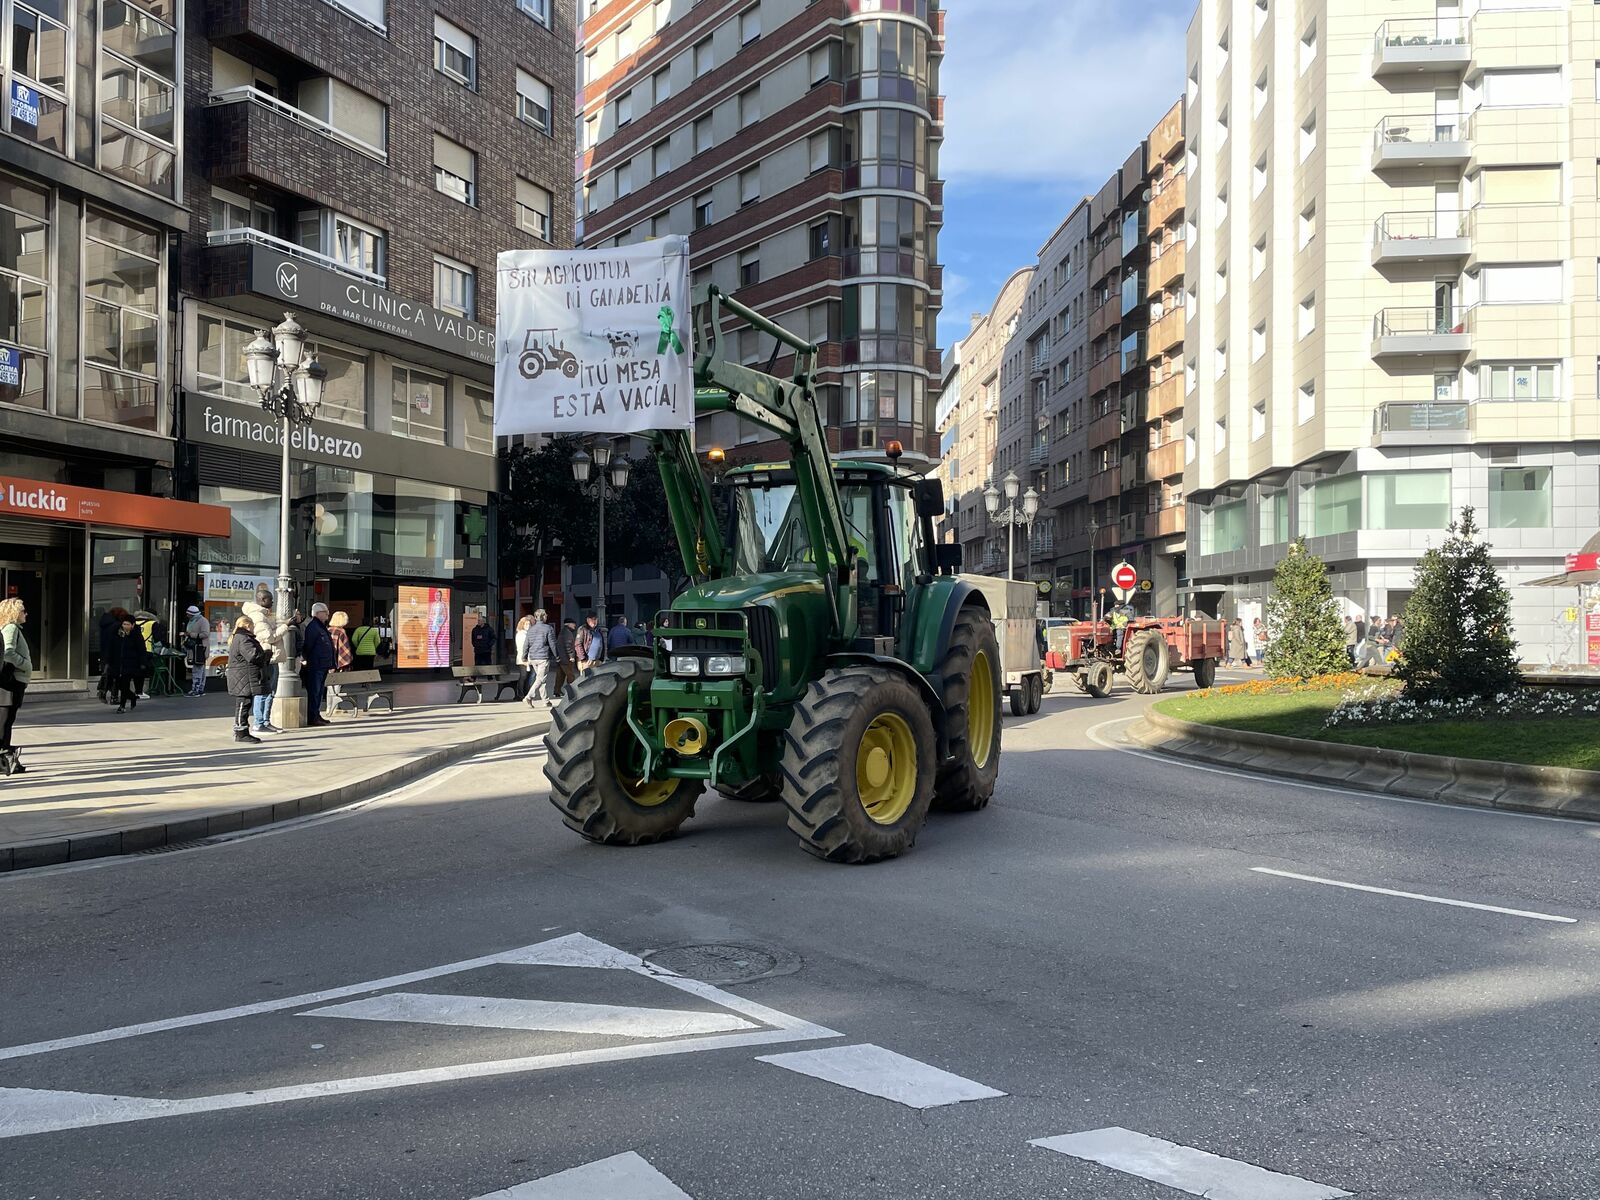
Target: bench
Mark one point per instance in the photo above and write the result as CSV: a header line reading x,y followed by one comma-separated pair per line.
x,y
473,679
345,688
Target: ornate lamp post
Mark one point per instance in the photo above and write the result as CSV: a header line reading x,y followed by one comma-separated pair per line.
x,y
291,388
601,489
1094,593
1011,516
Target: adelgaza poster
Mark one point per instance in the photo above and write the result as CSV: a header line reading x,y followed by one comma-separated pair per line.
x,y
422,632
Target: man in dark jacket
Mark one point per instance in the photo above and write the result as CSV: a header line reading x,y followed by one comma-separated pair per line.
x,y
567,653
483,641
128,663
591,643
319,655
540,653
621,635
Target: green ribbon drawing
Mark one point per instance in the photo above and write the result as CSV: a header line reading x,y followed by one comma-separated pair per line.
x,y
669,335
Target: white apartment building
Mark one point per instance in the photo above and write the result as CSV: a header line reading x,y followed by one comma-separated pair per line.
x,y
1392,293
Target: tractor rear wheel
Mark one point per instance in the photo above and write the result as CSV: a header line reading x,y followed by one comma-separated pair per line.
x,y
1147,661
595,763
1205,672
970,669
858,765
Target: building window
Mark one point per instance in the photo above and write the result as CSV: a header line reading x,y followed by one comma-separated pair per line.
x,y
750,24
455,170
358,118
1408,500
624,108
533,101
1274,518
1260,101
821,66
418,405
703,135
702,57
348,242
539,10
1520,185
1220,361
1222,528
625,178
1308,224
821,240
1524,283
749,107
661,13
821,151
1258,177
1258,420
1258,258
1258,342
749,186
454,287
660,158
478,423
1331,506
661,85
1520,89
1308,137
122,301
1519,381
749,268
24,295
533,210
1307,405
1519,498
1308,315
1308,47
702,210
1219,435
39,62
455,52
138,95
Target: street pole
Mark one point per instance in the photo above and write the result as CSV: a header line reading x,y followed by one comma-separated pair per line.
x,y
1011,546
288,700
602,552
1094,611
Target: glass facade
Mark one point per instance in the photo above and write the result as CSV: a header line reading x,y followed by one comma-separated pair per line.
x,y
886,149
886,235
1331,506
417,405
1275,519
886,60
1222,528
253,540
885,322
1408,500
139,93
1519,498
887,397
122,307
24,295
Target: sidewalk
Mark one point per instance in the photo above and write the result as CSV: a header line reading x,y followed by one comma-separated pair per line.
x,y
170,771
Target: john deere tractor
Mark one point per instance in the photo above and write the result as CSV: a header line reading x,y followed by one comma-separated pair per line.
x,y
826,653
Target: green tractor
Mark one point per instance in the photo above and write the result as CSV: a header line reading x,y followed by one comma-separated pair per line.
x,y
826,654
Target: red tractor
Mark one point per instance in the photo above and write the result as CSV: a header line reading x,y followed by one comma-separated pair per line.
x,y
1152,648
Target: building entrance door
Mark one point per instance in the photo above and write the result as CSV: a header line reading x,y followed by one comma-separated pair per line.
x,y
26,582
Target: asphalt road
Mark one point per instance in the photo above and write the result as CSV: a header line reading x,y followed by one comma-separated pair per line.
x,y
1102,946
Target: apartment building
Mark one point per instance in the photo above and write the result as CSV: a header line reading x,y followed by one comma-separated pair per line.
x,y
360,163
1391,292
1162,553
991,368
796,143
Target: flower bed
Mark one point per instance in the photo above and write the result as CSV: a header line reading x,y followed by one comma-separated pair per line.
x,y
1386,707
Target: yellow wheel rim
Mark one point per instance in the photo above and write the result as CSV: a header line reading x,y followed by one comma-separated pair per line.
x,y
980,709
886,768
627,757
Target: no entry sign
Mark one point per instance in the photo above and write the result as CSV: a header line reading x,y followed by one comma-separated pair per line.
x,y
1124,576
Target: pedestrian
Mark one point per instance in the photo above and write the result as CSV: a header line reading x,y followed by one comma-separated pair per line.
x,y
16,671
591,642
110,626
130,665
364,643
1369,653
1350,639
247,659
1258,641
343,655
647,634
567,654
318,656
620,635
1237,651
519,651
196,649
270,634
1397,633
540,651
153,630
483,642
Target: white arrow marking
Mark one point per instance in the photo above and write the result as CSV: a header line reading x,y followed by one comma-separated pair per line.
x,y
879,1072
1197,1172
493,1012
622,1177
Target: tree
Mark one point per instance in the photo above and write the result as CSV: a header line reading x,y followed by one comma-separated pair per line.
x,y
543,514
642,532
1305,632
1457,642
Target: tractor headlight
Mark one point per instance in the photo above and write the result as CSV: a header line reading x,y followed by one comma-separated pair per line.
x,y
684,664
726,664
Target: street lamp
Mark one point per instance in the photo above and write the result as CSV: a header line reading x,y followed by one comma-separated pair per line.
x,y
291,388
602,489
1012,516
1094,530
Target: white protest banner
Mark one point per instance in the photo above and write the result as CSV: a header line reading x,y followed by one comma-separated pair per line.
x,y
594,341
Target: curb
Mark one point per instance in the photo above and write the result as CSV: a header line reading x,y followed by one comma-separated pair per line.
x,y
1470,782
54,851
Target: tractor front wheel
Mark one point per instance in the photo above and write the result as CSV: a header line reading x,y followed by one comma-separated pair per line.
x,y
595,763
858,766
970,668
1147,661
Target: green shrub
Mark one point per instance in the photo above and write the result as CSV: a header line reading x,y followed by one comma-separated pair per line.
x,y
1305,634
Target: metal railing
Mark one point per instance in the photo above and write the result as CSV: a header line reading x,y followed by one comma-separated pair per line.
x,y
246,93
254,237
1423,31
1421,417
1392,322
1409,226
1421,129
1037,456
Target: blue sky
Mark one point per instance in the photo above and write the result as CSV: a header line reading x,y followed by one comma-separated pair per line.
x,y
1045,99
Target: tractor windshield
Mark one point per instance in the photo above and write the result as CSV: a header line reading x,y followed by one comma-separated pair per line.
x,y
769,528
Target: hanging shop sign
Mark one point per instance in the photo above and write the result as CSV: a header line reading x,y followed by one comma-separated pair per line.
x,y
116,510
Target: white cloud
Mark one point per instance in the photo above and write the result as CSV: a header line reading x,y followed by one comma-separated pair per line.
x,y
1056,89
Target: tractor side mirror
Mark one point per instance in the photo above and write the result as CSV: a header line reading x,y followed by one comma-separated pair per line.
x,y
929,494
947,557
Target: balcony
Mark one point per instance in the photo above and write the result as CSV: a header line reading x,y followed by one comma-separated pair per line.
x,y
1420,237
1109,537
254,237
1167,268
1164,396
1397,332
1131,528
1105,318
1425,140
1421,44
1132,469
1044,541
1038,456
1166,460
1106,260
1166,333
1169,522
256,99
1429,423
1039,364
1104,429
1166,203
1105,373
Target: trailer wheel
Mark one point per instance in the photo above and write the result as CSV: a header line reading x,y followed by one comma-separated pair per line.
x,y
595,764
1019,701
970,669
1205,672
1147,661
858,766
1033,693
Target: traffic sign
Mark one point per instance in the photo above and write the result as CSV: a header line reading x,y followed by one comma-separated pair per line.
x,y
1124,576
1145,585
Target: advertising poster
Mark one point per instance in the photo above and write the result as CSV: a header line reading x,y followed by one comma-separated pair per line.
x,y
224,596
594,341
422,628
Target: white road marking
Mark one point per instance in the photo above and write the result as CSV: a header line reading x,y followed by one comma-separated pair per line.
x,y
1197,1172
879,1072
493,1012
1093,734
574,950
1379,891
27,1110
621,1177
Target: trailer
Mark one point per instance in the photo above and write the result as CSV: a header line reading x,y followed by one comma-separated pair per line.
x,y
1149,651
1013,605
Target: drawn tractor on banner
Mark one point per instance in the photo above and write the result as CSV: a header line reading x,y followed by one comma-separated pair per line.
x,y
540,353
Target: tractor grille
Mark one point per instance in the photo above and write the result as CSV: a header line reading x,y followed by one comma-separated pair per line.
x,y
764,638
703,645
